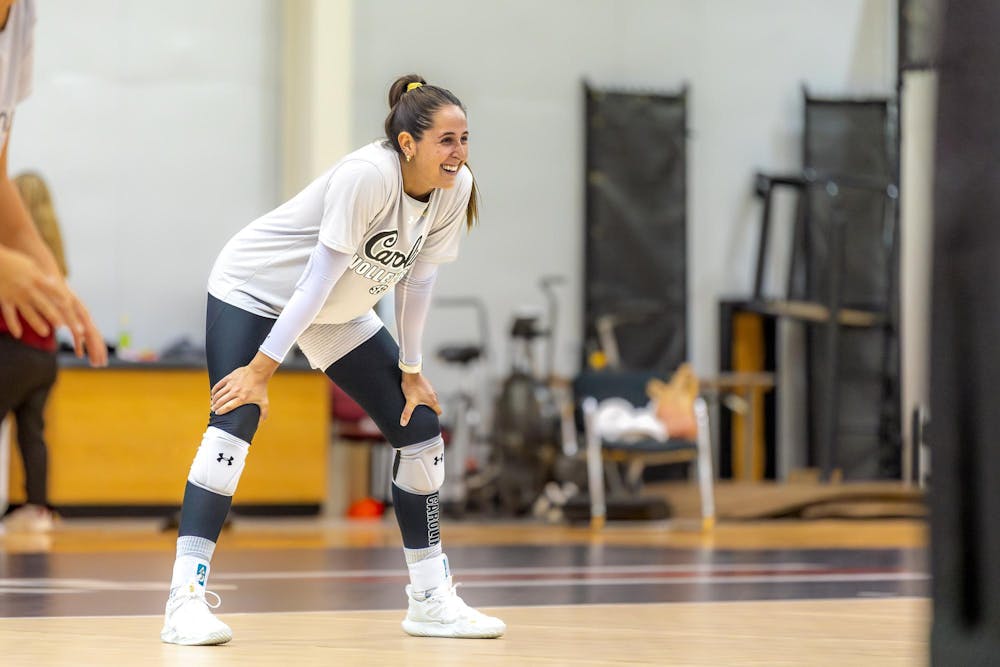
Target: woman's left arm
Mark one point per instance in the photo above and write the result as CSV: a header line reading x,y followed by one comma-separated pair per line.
x,y
413,301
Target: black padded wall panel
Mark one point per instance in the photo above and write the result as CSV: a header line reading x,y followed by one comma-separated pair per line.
x,y
636,206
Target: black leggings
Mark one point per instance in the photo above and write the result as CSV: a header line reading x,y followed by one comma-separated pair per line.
x,y
369,374
26,378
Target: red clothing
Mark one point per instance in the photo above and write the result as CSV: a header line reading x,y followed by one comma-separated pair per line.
x,y
31,337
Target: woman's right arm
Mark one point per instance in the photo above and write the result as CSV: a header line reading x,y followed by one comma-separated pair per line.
x,y
354,193
248,384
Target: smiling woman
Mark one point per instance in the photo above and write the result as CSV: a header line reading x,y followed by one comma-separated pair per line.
x,y
310,272
434,112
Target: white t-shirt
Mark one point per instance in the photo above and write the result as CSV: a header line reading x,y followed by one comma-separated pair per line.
x,y
17,55
357,207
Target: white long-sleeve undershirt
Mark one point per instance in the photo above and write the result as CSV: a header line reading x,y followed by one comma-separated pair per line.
x,y
413,301
324,269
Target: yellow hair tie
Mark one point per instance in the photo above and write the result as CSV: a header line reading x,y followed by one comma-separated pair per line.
x,y
411,86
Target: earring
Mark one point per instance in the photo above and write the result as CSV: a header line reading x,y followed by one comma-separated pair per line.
x,y
408,157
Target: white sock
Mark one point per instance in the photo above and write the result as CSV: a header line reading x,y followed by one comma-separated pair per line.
x,y
428,574
417,555
191,545
189,569
192,551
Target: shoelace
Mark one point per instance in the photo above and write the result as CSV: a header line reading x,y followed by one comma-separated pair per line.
x,y
218,600
190,593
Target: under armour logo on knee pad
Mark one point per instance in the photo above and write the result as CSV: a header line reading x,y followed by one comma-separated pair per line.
x,y
419,468
222,458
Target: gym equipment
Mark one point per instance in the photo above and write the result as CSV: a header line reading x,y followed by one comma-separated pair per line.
x,y
850,312
468,471
527,420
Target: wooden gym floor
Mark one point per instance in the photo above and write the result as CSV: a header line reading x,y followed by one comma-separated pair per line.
x,y
321,592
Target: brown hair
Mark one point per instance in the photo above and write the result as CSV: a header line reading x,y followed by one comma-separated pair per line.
x,y
35,195
413,111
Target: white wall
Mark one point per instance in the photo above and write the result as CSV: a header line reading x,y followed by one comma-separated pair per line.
x,y
155,124
518,67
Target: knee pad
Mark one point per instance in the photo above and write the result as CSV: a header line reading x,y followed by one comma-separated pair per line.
x,y
219,462
419,468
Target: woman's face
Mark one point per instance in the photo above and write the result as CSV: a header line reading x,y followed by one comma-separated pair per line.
x,y
441,151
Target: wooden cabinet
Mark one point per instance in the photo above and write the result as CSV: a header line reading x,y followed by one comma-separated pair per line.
x,y
125,436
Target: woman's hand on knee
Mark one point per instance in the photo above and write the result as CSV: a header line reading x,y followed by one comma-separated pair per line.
x,y
418,391
246,385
